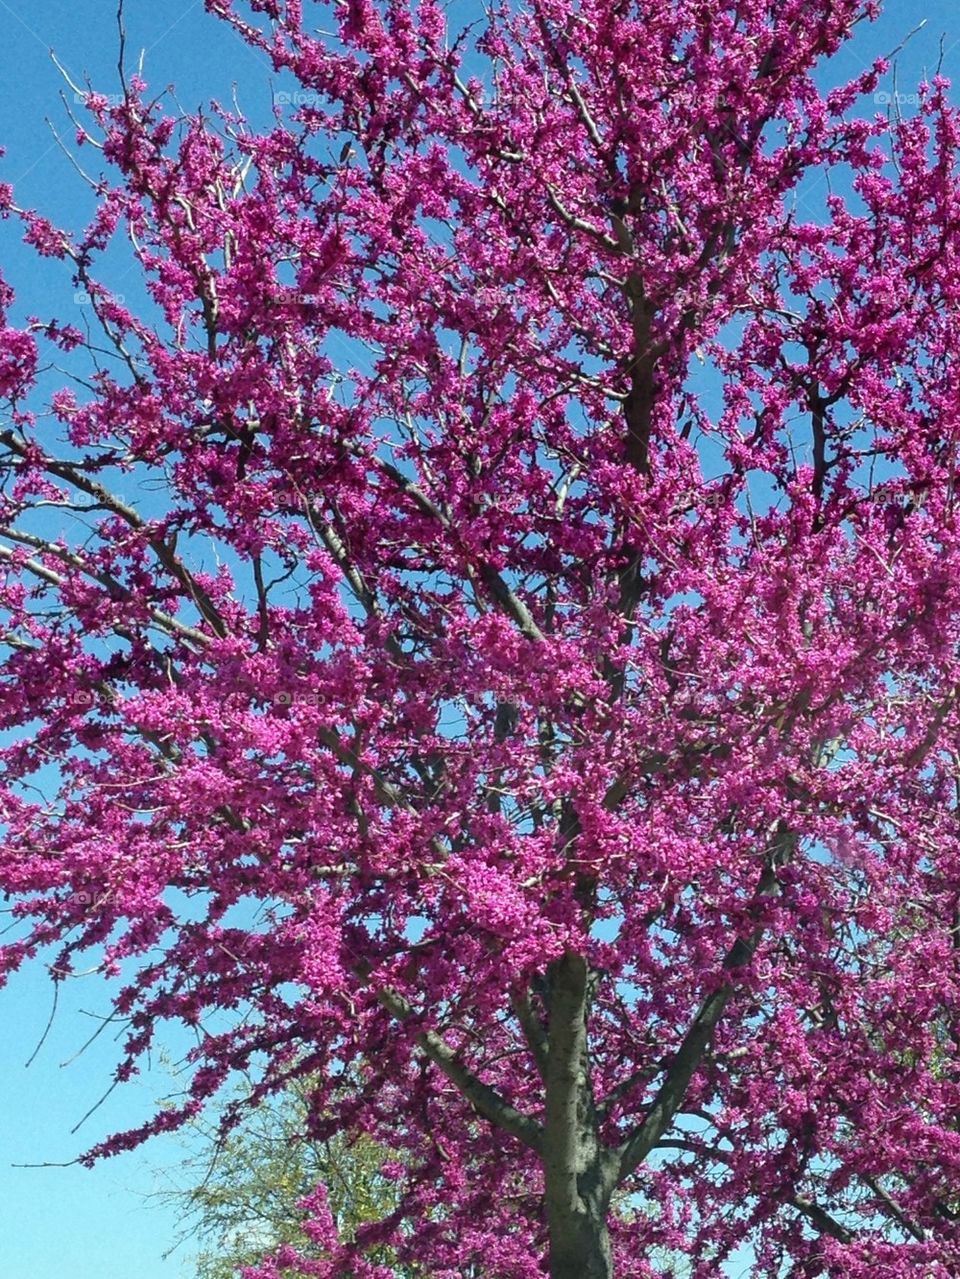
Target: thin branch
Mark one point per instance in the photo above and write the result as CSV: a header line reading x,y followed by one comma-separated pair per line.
x,y
820,1219
893,1207
164,620
72,474
46,1030
533,1031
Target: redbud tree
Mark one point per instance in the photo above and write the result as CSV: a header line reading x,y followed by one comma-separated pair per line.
x,y
486,628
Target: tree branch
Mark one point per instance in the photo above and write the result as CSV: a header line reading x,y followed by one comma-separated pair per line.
x,y
72,474
533,1031
893,1207
163,620
635,1148
484,1099
820,1219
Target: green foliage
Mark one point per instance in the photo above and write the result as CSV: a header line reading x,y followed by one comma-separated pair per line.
x,y
238,1195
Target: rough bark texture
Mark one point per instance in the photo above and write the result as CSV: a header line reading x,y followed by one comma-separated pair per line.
x,y
578,1184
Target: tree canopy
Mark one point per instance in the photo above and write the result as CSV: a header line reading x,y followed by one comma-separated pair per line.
x,y
486,626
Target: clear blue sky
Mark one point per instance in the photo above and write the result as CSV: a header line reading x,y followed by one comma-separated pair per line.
x,y
97,1224
88,1224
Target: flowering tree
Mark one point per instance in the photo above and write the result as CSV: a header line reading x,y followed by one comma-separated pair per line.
x,y
491,625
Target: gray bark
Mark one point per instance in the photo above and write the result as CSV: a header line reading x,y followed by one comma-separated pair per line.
x,y
578,1174
581,1249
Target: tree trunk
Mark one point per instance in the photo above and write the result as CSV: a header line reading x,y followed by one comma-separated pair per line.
x,y
578,1180
580,1245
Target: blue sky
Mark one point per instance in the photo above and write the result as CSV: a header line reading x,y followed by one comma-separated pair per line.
x,y
99,1224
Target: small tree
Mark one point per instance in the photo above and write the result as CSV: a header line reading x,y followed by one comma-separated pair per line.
x,y
240,1192
495,615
